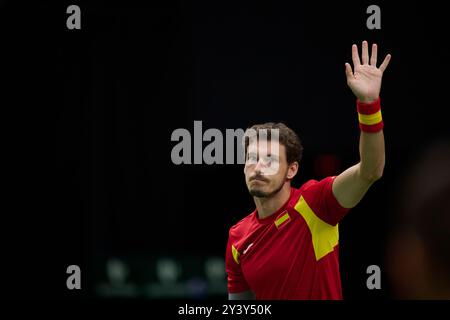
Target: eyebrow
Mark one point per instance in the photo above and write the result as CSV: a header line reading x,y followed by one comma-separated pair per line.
x,y
252,153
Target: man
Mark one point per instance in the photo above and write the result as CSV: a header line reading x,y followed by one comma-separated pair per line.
x,y
288,247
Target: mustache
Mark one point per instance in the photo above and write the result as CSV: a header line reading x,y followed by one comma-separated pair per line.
x,y
259,177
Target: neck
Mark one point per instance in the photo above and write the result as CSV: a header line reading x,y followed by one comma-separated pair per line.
x,y
268,206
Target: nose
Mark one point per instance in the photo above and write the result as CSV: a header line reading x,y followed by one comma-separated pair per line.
x,y
259,166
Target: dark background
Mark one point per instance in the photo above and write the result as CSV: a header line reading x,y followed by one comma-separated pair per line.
x,y
99,182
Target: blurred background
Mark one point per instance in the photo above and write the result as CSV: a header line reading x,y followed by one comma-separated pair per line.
x,y
141,227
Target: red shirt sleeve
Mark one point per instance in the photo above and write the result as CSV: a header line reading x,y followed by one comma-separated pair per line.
x,y
320,198
235,278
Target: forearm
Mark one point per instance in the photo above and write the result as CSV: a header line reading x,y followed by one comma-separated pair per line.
x,y
350,186
372,155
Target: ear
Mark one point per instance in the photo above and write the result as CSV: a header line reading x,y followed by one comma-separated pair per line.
x,y
292,170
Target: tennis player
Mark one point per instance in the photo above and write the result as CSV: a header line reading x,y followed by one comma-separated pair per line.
x,y
288,247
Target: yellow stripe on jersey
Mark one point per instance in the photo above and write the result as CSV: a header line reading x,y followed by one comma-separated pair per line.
x,y
324,236
235,254
282,219
370,119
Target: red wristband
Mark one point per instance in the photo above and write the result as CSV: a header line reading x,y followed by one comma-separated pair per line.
x,y
369,115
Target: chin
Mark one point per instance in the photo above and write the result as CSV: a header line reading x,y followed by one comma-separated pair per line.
x,y
258,193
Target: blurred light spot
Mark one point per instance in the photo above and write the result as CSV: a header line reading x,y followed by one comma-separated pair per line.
x,y
167,270
215,269
197,287
117,271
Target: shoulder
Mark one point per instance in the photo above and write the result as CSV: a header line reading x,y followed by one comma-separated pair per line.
x,y
312,185
319,197
242,226
307,184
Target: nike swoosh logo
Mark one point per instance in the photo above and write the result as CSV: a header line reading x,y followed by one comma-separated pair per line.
x,y
247,248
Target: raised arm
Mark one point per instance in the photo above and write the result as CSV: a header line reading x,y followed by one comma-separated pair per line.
x,y
365,82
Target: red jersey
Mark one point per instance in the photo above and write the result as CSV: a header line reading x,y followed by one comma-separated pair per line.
x,y
293,253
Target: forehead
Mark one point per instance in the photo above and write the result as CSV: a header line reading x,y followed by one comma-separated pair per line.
x,y
265,146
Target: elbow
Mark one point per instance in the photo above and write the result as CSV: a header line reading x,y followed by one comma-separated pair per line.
x,y
373,175
378,174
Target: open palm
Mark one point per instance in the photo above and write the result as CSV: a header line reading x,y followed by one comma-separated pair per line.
x,y
365,81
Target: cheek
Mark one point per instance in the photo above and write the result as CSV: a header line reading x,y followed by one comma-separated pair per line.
x,y
282,173
247,171
248,167
278,169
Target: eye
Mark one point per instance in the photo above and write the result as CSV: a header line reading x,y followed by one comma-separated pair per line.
x,y
267,160
252,158
270,159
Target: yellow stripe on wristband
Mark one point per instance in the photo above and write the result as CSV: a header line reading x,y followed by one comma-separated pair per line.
x,y
370,119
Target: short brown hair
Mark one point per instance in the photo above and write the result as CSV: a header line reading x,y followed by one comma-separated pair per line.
x,y
287,137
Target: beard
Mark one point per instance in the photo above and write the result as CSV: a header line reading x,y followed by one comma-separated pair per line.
x,y
267,194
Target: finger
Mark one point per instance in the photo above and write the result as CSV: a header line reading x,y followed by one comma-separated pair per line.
x,y
373,57
348,71
385,63
355,56
365,53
